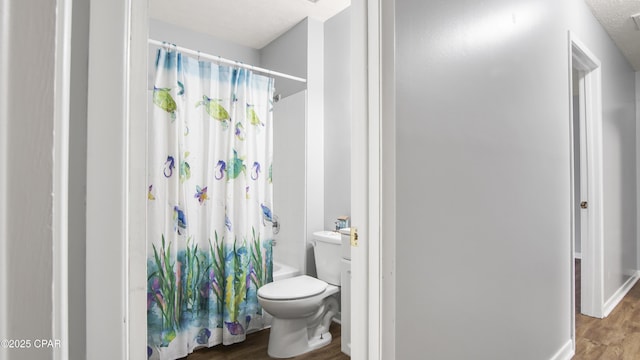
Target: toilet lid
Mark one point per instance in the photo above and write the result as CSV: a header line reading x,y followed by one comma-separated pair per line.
x,y
293,288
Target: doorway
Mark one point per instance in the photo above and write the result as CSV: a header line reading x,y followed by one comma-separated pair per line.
x,y
580,181
586,180
115,227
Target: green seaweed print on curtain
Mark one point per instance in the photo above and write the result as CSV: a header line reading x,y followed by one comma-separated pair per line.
x,y
183,291
209,246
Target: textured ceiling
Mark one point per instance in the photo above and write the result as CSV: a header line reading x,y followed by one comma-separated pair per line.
x,y
255,23
615,17
252,23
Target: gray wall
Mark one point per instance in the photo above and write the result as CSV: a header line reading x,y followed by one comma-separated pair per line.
x,y
78,179
483,225
337,118
288,54
30,118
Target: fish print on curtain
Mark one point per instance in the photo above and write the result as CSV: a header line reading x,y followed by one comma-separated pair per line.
x,y
209,203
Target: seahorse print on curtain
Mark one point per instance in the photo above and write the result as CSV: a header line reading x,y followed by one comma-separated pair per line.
x,y
209,240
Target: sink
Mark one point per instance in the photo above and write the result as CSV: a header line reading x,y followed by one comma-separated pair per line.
x,y
327,236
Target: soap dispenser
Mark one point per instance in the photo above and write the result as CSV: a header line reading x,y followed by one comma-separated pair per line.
x,y
342,222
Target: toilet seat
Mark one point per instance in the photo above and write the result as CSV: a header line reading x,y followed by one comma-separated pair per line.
x,y
298,287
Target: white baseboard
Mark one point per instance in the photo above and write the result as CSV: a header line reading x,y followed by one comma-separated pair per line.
x,y
614,300
566,352
577,255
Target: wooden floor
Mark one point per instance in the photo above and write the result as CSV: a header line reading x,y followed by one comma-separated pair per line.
x,y
255,348
616,337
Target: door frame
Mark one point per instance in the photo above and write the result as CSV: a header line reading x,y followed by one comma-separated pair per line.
x,y
364,319
592,246
62,98
372,190
116,169
116,180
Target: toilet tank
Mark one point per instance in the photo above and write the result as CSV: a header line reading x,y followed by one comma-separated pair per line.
x,y
327,253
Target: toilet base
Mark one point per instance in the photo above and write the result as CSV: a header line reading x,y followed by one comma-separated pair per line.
x,y
290,337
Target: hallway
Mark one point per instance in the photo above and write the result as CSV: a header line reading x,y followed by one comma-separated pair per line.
x,y
617,337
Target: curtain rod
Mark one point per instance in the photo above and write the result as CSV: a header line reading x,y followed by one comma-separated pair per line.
x,y
225,61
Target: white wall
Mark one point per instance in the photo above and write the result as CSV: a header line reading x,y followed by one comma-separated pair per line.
x,y
28,118
483,188
337,118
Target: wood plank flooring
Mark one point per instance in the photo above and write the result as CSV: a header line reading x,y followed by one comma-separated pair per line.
x,y
255,348
616,337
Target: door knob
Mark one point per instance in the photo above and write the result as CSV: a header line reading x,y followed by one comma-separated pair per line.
x,y
584,205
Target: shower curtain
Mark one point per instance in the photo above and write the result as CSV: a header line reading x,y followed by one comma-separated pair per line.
x,y
209,222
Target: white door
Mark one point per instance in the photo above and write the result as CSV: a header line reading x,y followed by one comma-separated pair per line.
x,y
591,178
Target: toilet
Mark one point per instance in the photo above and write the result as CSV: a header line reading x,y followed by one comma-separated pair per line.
x,y
303,306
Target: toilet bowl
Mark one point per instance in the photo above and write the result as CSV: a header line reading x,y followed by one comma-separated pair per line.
x,y
303,306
